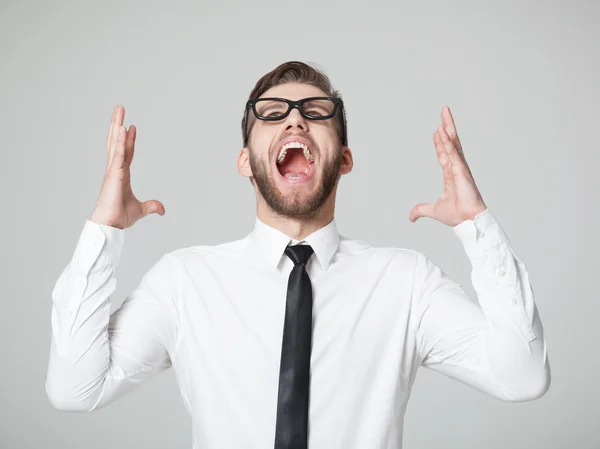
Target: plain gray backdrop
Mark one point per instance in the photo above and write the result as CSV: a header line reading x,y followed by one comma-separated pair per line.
x,y
520,78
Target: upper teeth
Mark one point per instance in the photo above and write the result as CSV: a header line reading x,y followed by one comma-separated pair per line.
x,y
283,151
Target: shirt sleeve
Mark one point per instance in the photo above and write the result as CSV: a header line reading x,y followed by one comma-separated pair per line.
x,y
497,346
96,356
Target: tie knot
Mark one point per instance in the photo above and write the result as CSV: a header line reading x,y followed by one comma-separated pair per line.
x,y
299,253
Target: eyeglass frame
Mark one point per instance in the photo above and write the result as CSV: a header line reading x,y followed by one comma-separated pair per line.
x,y
337,102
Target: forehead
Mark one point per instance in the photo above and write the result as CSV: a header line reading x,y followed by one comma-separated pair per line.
x,y
294,91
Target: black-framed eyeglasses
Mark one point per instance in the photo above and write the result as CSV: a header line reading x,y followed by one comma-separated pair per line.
x,y
312,108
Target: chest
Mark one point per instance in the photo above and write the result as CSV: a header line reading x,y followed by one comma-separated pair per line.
x,y
233,315
228,353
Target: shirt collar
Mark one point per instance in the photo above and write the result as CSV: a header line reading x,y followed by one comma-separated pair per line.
x,y
272,242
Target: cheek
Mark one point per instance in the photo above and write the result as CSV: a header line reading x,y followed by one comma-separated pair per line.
x,y
263,139
327,135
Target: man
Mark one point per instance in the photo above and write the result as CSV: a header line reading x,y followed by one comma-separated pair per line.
x,y
294,336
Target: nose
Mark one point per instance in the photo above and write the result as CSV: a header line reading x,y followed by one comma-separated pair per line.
x,y
296,120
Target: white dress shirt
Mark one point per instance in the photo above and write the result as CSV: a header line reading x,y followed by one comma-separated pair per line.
x,y
215,314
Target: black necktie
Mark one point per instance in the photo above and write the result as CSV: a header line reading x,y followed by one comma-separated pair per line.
x,y
291,429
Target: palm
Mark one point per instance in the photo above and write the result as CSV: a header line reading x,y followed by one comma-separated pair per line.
x,y
131,205
131,209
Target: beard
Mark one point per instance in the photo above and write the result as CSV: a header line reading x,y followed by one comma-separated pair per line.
x,y
296,204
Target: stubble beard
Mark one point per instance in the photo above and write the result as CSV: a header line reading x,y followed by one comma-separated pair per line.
x,y
296,204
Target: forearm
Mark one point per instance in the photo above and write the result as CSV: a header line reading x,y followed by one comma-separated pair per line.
x,y
489,353
498,347
80,368
516,344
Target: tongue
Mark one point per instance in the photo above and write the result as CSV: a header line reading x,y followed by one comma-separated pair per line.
x,y
294,163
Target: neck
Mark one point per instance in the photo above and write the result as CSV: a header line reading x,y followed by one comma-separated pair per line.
x,y
296,227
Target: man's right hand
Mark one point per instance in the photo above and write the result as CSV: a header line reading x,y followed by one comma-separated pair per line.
x,y
117,206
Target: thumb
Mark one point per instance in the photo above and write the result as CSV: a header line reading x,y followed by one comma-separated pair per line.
x,y
421,210
153,207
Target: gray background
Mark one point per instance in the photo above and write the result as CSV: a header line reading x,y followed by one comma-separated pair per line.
x,y
521,80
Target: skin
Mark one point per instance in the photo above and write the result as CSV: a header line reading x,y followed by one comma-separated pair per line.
x,y
460,200
297,209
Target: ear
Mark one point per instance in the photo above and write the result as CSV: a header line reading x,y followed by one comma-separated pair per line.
x,y
347,161
243,162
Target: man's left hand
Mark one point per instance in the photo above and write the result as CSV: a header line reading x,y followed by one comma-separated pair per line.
x,y
461,199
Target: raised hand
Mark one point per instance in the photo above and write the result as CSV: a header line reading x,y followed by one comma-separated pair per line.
x,y
461,199
117,206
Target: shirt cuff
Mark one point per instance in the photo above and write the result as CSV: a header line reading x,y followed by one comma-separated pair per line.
x,y
480,235
99,241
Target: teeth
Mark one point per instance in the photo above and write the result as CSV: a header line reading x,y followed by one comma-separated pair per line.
x,y
305,150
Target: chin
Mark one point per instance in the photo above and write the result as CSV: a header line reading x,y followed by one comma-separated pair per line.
x,y
295,199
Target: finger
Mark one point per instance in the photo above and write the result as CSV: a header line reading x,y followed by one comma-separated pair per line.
x,y
117,123
456,159
110,130
449,178
119,151
153,207
448,122
439,149
130,144
421,210
450,126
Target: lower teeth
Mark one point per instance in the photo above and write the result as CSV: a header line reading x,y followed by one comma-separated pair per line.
x,y
294,175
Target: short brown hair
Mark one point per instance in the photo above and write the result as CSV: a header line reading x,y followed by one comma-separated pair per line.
x,y
296,72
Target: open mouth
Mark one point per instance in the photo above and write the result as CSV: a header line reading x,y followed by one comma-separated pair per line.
x,y
295,162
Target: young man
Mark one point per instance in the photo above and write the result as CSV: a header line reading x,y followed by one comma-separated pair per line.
x,y
294,336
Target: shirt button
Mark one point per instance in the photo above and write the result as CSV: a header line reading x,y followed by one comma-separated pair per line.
x,y
480,234
501,271
515,301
